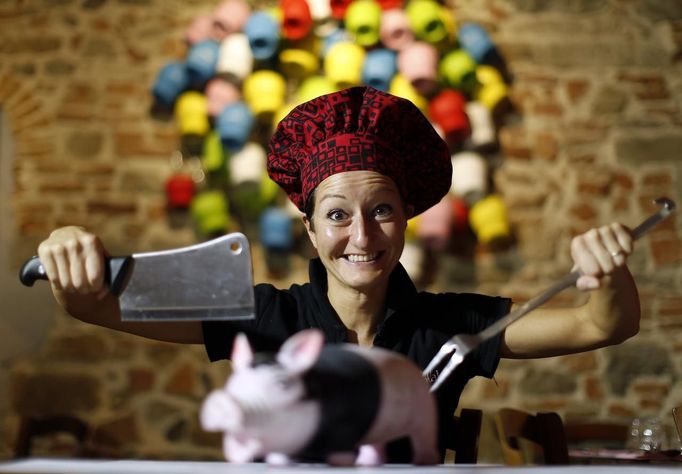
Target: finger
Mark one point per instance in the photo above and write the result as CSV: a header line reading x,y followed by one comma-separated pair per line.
x,y
587,282
49,265
612,246
582,255
94,262
624,237
76,266
599,250
63,269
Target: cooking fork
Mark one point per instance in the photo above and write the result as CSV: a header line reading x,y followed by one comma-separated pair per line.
x,y
460,345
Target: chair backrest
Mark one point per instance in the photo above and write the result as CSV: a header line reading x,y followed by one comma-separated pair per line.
x,y
545,432
677,418
596,434
33,427
465,436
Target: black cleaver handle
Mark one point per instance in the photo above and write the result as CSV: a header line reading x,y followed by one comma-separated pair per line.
x,y
118,270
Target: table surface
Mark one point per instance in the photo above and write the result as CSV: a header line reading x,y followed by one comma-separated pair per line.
x,y
76,466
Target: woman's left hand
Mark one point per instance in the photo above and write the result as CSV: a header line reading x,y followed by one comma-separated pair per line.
x,y
599,252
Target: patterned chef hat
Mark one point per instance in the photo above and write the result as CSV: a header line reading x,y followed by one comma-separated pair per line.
x,y
360,129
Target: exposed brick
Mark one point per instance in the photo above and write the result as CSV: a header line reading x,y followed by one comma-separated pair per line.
x,y
597,182
546,404
182,381
117,432
548,108
35,146
650,389
633,149
54,393
657,179
670,305
140,380
576,89
620,204
92,169
609,101
111,207
594,388
62,185
580,363
84,348
623,181
515,143
651,404
582,158
619,410
647,86
584,211
666,251
135,144
545,146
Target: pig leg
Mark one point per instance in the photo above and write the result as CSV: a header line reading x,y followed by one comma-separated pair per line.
x,y
241,449
370,455
277,459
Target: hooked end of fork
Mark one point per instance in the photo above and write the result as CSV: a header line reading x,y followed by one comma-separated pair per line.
x,y
667,203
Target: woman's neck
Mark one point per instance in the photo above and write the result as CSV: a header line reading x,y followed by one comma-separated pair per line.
x,y
359,311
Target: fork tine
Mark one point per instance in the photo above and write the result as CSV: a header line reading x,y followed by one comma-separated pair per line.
x,y
452,364
443,352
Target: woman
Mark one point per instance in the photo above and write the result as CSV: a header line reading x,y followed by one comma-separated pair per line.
x,y
359,163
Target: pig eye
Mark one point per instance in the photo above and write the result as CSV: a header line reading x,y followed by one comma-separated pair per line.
x,y
285,383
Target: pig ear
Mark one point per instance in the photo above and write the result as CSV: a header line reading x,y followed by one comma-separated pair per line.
x,y
301,350
242,354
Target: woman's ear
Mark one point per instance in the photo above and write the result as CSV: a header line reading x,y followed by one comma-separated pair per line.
x,y
308,223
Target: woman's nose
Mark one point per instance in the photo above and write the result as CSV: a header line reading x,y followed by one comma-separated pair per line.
x,y
360,232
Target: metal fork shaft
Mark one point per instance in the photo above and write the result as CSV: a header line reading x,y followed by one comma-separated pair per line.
x,y
570,279
498,326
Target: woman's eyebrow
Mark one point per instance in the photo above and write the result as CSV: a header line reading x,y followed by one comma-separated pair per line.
x,y
329,196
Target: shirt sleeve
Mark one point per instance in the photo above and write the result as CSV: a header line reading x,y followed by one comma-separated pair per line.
x,y
474,313
488,353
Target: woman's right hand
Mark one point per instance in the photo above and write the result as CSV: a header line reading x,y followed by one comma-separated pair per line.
x,y
73,260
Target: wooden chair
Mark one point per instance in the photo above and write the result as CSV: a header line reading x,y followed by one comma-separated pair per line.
x,y
677,418
531,439
465,436
596,434
34,427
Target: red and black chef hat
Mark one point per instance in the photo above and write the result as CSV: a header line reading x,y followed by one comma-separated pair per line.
x,y
360,129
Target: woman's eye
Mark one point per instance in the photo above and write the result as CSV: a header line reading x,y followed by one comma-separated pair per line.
x,y
336,215
383,210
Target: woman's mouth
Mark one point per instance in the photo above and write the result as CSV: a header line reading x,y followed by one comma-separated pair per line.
x,y
361,258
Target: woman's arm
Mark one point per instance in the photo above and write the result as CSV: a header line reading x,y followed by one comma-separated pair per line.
x,y
73,260
610,316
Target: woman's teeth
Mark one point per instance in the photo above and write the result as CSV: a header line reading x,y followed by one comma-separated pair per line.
x,y
361,258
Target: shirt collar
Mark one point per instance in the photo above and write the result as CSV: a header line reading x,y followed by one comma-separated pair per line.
x,y
401,289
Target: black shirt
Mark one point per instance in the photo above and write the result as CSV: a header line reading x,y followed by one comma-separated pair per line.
x,y
416,325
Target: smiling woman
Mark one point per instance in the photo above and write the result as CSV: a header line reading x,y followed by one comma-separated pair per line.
x,y
359,163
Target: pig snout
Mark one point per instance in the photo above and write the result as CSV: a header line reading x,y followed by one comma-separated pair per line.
x,y
219,412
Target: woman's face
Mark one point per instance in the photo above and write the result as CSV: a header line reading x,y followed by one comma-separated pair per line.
x,y
358,228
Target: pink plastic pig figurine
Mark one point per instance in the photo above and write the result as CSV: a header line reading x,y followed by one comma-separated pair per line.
x,y
340,403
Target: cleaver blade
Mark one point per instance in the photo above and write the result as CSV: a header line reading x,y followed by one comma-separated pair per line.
x,y
211,280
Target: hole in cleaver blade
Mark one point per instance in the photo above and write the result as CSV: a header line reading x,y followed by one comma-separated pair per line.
x,y
208,281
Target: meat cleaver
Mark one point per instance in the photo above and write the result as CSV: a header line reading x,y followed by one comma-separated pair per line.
x,y
212,280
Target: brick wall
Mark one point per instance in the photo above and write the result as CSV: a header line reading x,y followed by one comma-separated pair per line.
x,y
595,133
